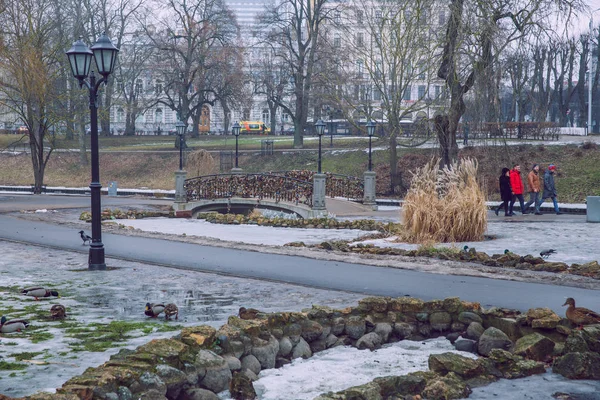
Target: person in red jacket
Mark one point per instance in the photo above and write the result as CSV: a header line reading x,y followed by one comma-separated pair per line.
x,y
516,184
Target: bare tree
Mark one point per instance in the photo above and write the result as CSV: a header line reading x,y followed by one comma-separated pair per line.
x,y
292,29
29,59
483,29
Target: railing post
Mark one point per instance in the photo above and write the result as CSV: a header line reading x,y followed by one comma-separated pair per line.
x,y
319,209
369,189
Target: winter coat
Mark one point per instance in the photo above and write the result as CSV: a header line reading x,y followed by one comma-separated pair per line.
x,y
515,182
505,190
533,179
549,188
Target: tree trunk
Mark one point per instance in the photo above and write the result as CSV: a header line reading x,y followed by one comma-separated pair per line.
x,y
129,124
105,115
83,158
36,145
393,161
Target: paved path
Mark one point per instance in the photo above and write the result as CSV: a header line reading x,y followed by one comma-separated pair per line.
x,y
356,278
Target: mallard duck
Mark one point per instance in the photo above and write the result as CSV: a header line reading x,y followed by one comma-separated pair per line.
x,y
152,310
58,311
14,325
248,313
547,253
37,292
579,315
170,310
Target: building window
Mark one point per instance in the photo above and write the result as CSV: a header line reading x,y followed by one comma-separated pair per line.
x,y
421,90
359,17
377,94
337,40
169,117
139,86
406,95
158,115
158,87
360,39
442,18
378,16
421,71
438,91
359,68
337,18
265,116
120,86
120,115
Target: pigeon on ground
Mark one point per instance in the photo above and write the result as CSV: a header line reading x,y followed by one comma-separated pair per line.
x,y
85,238
547,253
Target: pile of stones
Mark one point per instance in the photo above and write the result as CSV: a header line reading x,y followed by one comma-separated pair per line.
x,y
202,361
108,214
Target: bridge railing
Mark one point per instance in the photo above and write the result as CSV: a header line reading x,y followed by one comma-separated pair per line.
x,y
336,185
260,186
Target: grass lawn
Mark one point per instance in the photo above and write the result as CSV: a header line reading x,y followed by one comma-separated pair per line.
x,y
578,173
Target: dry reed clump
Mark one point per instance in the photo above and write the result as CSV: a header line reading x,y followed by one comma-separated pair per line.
x,y
445,205
200,162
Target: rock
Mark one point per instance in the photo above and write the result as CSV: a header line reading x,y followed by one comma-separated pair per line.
x,y
302,349
458,327
149,381
236,347
241,387
107,396
311,330
513,366
452,337
410,384
422,316
369,341
338,326
169,350
551,267
466,345
285,346
451,362
330,341
318,345
368,391
405,304
404,330
198,335
446,387
578,365
493,338
251,363
200,394
466,317
233,362
535,347
281,361
124,393
253,377
375,304
542,318
267,354
576,343
173,378
383,329
215,374
293,329
474,331
151,394
509,326
440,321
355,327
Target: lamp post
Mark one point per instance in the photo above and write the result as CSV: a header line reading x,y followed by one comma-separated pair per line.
x,y
330,131
371,131
80,60
320,128
589,122
180,127
235,129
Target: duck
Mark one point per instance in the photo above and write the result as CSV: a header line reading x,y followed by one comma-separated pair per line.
x,y
58,311
152,310
37,292
580,316
14,325
170,310
248,313
547,253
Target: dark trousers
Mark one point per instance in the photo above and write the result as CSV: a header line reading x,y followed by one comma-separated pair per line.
x,y
505,204
521,203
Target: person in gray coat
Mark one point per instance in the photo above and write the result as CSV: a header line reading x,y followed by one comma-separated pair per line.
x,y
550,188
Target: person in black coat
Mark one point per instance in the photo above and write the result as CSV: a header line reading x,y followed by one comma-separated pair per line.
x,y
505,192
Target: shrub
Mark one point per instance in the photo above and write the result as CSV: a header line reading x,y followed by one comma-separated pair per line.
x,y
201,162
445,205
589,145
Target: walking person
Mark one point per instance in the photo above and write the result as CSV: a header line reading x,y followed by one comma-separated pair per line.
x,y
550,188
516,183
505,192
533,183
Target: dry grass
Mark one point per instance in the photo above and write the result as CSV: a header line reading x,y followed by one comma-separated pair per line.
x,y
445,205
200,162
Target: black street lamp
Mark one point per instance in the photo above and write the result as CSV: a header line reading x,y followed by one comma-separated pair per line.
x,y
235,129
80,59
180,127
330,131
371,131
320,128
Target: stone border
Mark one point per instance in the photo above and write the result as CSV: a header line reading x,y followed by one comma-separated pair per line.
x,y
202,361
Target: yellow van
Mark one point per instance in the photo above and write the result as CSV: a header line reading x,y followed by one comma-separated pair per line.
x,y
254,128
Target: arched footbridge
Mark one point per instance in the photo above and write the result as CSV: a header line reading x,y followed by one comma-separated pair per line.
x,y
299,192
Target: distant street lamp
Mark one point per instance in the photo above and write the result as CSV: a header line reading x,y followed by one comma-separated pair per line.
x,y
320,128
235,129
371,131
80,60
180,127
589,123
330,130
